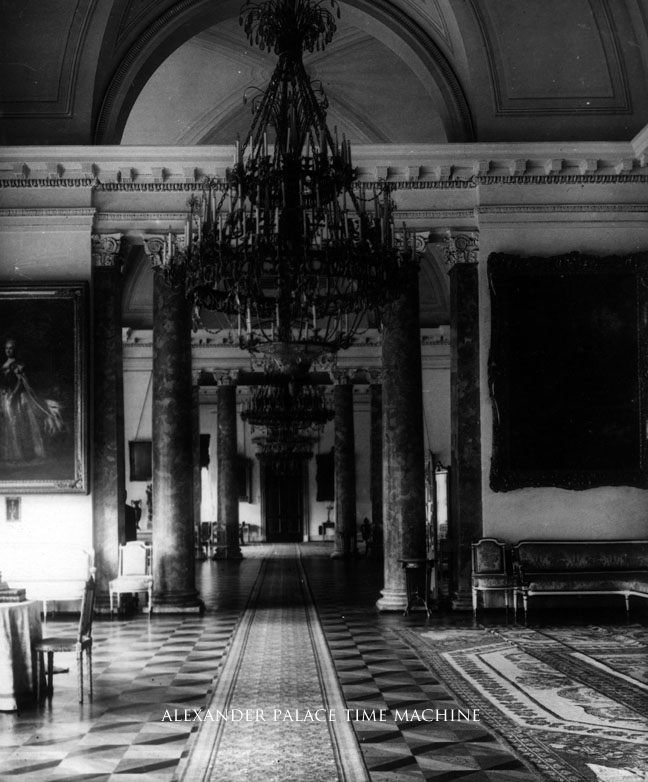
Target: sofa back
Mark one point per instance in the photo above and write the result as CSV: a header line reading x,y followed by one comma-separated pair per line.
x,y
575,555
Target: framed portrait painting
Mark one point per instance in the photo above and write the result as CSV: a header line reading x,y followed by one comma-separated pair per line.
x,y
43,435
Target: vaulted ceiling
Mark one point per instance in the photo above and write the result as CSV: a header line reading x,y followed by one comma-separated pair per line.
x,y
404,71
175,72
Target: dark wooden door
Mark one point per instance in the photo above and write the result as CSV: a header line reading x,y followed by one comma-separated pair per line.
x,y
284,502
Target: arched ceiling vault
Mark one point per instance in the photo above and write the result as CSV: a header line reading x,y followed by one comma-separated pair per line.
x,y
421,101
76,71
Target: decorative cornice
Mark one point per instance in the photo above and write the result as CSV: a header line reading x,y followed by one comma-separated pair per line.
x,y
142,217
445,215
49,212
410,167
394,179
563,179
41,182
509,209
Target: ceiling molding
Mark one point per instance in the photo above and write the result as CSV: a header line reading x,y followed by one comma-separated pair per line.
x,y
60,103
508,104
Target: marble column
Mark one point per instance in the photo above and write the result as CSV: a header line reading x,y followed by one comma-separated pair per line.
x,y
376,464
197,472
465,475
344,467
108,477
226,454
173,452
403,446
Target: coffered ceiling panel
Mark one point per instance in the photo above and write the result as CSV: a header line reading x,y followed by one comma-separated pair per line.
x,y
39,50
577,68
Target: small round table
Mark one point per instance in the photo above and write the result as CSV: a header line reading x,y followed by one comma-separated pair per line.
x,y
417,582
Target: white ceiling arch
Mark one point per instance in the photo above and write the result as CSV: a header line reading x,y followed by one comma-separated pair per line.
x,y
422,102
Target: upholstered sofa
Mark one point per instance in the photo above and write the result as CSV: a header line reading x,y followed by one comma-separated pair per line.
x,y
52,574
584,567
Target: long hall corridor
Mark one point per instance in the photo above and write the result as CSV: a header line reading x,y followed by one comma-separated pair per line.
x,y
291,674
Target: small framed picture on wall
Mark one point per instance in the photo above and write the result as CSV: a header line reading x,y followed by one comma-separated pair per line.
x,y
12,508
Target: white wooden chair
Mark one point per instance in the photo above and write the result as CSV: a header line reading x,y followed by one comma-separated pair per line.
x,y
134,572
79,643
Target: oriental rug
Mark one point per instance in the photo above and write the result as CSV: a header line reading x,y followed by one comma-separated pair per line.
x,y
573,702
275,713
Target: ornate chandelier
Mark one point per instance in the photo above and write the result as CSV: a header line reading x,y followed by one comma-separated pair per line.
x,y
285,408
289,245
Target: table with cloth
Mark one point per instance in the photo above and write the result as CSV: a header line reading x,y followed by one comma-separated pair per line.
x,y
20,629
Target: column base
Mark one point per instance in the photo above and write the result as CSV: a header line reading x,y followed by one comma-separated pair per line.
x,y
197,608
392,600
177,604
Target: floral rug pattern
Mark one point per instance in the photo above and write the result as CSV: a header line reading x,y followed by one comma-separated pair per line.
x,y
572,702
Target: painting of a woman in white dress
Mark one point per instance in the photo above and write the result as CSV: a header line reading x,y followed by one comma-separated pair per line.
x,y
25,419
42,428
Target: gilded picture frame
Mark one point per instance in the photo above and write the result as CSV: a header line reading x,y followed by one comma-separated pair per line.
x,y
43,388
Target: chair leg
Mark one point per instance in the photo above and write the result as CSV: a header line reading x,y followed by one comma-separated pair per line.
x,y
40,673
90,692
50,674
80,674
150,599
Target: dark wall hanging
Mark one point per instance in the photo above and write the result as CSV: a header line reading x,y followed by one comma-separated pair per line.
x,y
568,371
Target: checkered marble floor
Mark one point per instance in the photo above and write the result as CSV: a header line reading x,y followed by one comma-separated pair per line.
x,y
380,673
146,667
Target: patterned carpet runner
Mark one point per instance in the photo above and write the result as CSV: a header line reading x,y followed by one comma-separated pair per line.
x,y
572,701
277,695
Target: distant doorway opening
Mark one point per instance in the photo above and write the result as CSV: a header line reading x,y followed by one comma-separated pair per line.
x,y
283,499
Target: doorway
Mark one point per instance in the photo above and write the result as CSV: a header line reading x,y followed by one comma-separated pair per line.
x,y
282,499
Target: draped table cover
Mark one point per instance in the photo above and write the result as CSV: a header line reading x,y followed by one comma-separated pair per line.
x,y
20,629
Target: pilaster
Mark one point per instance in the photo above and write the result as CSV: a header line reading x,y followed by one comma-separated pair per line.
x,y
108,491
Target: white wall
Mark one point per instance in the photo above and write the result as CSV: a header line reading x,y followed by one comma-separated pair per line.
x,y
45,242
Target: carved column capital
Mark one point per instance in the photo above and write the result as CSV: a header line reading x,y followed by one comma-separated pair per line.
x,y
460,248
341,377
154,249
407,239
107,250
160,247
226,377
